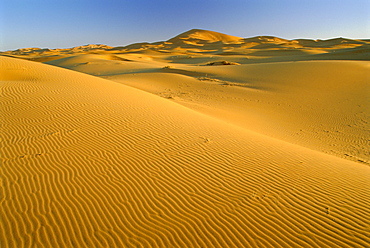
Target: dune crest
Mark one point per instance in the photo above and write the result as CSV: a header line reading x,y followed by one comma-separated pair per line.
x,y
258,49
208,36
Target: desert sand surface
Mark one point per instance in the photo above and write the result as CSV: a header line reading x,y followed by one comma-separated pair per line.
x,y
203,140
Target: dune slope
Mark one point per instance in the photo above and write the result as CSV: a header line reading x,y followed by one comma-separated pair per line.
x,y
322,105
87,162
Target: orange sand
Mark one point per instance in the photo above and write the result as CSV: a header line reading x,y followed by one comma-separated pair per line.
x,y
158,149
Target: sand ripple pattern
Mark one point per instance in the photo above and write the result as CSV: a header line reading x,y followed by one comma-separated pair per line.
x,y
90,163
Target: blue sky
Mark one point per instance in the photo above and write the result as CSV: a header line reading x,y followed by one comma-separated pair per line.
x,y
68,23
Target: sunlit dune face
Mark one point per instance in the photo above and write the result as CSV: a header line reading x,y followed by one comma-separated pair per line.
x,y
204,140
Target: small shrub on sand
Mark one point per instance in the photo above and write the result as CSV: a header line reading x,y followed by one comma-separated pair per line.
x,y
209,79
223,62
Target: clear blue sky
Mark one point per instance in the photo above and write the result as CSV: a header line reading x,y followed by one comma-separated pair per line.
x,y
68,23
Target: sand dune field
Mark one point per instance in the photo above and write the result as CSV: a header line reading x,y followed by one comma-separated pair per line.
x,y
204,140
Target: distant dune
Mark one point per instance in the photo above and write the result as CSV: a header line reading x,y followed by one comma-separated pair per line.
x,y
204,140
201,42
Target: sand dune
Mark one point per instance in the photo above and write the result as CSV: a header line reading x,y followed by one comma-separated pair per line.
x,y
259,49
170,152
322,105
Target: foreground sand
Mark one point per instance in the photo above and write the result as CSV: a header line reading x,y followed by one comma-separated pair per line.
x,y
252,155
92,163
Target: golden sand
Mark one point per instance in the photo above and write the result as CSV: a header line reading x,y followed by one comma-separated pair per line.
x,y
166,145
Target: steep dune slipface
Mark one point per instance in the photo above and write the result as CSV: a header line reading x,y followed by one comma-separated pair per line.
x,y
87,162
205,36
